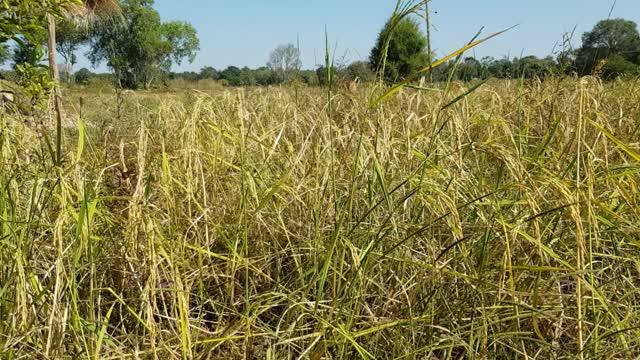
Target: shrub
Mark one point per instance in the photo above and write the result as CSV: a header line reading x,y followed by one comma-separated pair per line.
x,y
617,65
83,76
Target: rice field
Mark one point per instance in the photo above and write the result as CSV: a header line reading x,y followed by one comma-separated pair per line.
x,y
301,223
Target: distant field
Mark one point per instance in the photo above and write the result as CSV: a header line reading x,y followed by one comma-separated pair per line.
x,y
276,223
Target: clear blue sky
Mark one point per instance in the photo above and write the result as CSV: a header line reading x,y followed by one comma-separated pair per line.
x,y
242,33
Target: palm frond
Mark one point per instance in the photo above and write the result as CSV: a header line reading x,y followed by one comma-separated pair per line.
x,y
91,10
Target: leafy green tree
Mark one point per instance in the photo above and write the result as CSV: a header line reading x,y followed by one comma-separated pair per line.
x,y
33,76
264,76
406,51
321,74
566,61
27,53
310,77
617,65
247,77
69,38
209,72
469,69
83,76
533,67
232,75
26,19
182,39
613,37
501,69
82,11
143,48
361,70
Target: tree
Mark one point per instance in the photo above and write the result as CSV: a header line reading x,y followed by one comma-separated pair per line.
x,y
406,51
469,69
264,76
617,65
83,76
247,77
209,72
321,74
69,37
232,75
32,75
361,70
310,77
284,60
143,48
182,39
25,54
532,67
502,69
80,10
613,37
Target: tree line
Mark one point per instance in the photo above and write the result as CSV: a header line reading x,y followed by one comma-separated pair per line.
x,y
140,50
611,49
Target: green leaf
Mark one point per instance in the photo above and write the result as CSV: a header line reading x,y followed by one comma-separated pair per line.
x,y
103,330
617,141
81,134
465,94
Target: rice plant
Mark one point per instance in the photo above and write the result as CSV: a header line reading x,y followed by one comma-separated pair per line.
x,y
242,223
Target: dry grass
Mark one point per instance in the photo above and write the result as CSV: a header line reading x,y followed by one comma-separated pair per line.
x,y
230,225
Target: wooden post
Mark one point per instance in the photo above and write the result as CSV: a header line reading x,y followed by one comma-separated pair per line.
x,y
428,21
53,66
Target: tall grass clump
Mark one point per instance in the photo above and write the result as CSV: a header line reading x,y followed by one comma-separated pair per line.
x,y
244,224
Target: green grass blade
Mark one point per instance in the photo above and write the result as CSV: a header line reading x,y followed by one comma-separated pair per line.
x,y
103,331
463,95
624,147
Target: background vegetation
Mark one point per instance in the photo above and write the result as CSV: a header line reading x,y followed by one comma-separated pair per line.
x,y
142,50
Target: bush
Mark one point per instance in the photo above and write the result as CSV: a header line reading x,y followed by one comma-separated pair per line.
x,y
310,77
618,66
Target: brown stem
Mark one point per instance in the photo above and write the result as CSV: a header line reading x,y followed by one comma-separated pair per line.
x,y
53,71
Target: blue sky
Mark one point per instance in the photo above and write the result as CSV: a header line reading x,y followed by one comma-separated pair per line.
x,y
242,33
